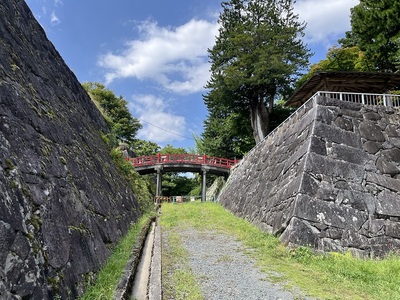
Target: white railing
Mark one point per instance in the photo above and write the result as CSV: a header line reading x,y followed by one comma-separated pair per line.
x,y
390,100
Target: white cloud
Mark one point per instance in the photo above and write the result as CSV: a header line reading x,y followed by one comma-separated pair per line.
x,y
54,20
159,125
327,20
176,58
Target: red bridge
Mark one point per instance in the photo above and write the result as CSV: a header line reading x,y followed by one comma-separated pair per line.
x,y
182,163
141,161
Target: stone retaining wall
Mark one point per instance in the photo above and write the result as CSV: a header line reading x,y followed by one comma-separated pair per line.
x,y
329,178
63,202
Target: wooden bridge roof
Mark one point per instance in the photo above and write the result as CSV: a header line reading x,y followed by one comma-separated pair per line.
x,y
352,82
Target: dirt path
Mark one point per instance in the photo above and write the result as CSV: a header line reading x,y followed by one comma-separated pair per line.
x,y
223,269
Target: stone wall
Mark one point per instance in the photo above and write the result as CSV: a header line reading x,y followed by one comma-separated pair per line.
x,y
329,177
63,203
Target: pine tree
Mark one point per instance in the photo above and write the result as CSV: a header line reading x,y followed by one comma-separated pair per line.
x,y
256,58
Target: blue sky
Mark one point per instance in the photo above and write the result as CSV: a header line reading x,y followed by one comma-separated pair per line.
x,y
153,53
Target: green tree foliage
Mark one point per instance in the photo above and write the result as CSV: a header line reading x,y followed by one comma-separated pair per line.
x,y
338,59
141,186
375,29
123,129
229,135
176,184
169,149
144,148
123,126
256,58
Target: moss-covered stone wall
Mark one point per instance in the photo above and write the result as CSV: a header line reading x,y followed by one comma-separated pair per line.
x,y
63,203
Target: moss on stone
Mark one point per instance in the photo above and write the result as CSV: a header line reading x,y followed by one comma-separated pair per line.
x,y
63,160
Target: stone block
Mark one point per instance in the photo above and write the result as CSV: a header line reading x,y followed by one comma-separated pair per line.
x,y
358,253
394,141
371,131
300,232
356,115
374,116
388,204
344,123
392,131
20,246
295,157
326,114
328,213
361,201
326,194
332,233
318,146
392,155
290,189
330,245
337,135
374,228
7,236
309,185
393,229
326,101
317,164
381,246
386,167
393,118
303,123
383,181
350,154
371,147
352,239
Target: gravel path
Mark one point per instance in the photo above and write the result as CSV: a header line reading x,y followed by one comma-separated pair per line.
x,y
225,272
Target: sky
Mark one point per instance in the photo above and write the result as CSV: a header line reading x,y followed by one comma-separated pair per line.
x,y
153,53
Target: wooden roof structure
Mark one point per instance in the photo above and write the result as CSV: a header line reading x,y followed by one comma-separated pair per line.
x,y
351,82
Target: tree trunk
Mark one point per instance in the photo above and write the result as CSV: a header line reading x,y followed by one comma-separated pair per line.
x,y
259,120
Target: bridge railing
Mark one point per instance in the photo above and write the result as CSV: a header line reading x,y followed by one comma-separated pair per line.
x,y
182,158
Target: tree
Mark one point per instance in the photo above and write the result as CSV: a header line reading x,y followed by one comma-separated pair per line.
x,y
226,135
169,149
143,148
229,135
375,29
173,183
338,59
256,58
115,110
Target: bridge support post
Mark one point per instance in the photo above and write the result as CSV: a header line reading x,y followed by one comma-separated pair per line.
x,y
159,181
204,184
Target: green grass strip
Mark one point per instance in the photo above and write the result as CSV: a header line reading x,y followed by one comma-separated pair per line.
x,y
325,276
111,273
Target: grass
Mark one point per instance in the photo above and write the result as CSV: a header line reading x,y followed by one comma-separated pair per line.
x,y
331,276
110,274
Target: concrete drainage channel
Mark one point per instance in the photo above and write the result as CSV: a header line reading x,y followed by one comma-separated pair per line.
x,y
142,275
